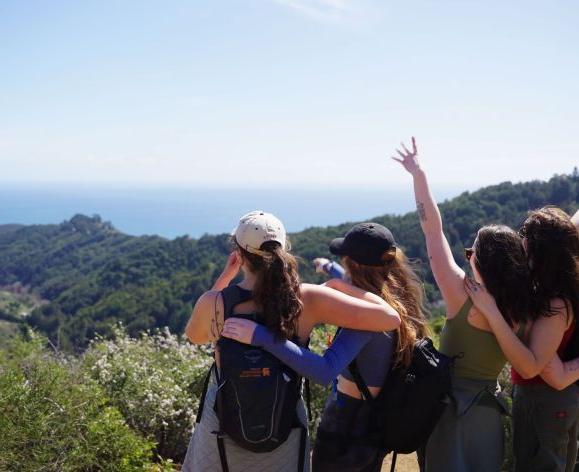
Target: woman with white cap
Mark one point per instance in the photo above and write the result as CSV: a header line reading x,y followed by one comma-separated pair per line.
x,y
271,288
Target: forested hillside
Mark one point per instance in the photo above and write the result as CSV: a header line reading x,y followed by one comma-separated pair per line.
x,y
87,276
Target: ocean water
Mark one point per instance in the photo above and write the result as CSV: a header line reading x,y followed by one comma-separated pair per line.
x,y
172,212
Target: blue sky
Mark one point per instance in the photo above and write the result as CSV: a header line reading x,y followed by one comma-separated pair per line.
x,y
287,92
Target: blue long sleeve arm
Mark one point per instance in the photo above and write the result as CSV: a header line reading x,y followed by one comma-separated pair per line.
x,y
334,270
320,369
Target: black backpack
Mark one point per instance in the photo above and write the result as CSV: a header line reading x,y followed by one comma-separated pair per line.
x,y
257,394
411,400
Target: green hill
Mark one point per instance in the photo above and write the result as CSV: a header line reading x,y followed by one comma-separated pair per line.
x,y
92,276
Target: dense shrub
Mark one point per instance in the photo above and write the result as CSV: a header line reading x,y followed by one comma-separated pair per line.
x,y
52,418
127,404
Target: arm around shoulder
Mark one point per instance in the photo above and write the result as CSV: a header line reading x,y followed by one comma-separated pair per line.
x,y
560,375
331,306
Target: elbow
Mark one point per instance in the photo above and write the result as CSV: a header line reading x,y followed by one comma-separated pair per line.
x,y
193,335
326,378
528,372
324,381
397,321
554,383
390,317
393,321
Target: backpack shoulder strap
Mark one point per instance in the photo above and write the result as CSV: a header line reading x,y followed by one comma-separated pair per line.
x,y
353,368
204,394
308,397
233,295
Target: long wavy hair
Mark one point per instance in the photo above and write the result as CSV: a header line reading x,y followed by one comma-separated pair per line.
x,y
502,263
277,288
553,252
399,285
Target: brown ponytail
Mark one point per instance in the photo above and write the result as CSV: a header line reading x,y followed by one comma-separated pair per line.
x,y
397,283
277,289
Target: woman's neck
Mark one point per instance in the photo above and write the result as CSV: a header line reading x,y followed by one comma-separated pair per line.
x,y
249,279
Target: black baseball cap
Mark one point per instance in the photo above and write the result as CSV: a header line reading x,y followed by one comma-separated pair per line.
x,y
365,244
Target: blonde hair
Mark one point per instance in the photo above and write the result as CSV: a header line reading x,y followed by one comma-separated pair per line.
x,y
399,285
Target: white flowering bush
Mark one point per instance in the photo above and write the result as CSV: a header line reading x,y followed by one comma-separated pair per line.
x,y
155,381
319,341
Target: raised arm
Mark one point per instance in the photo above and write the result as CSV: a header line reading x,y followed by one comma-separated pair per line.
x,y
321,369
546,333
449,276
348,306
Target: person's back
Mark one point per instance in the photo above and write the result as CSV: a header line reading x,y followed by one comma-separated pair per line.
x,y
477,353
290,310
545,419
373,263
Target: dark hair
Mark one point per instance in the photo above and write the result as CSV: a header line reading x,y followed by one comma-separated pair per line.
x,y
397,283
502,263
553,252
277,289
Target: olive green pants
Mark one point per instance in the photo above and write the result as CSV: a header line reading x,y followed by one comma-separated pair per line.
x,y
545,428
469,435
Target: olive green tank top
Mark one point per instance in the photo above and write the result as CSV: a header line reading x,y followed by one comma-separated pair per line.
x,y
478,354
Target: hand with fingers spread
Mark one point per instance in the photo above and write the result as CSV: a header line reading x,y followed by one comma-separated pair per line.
x,y
320,263
409,159
481,298
239,329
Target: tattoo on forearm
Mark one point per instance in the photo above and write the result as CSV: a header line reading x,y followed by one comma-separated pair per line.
x,y
421,211
573,366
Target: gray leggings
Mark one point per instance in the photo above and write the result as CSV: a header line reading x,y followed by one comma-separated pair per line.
x,y
545,428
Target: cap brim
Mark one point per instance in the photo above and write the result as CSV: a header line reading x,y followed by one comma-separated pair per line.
x,y
336,246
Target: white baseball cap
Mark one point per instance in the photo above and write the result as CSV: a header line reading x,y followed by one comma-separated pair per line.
x,y
256,228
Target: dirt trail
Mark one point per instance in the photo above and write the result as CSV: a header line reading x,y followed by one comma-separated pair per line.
x,y
404,463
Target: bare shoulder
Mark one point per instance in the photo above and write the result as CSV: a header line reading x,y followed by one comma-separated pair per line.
x,y
311,293
312,290
558,318
210,306
560,307
207,300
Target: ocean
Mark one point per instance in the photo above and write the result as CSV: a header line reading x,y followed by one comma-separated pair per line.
x,y
172,212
